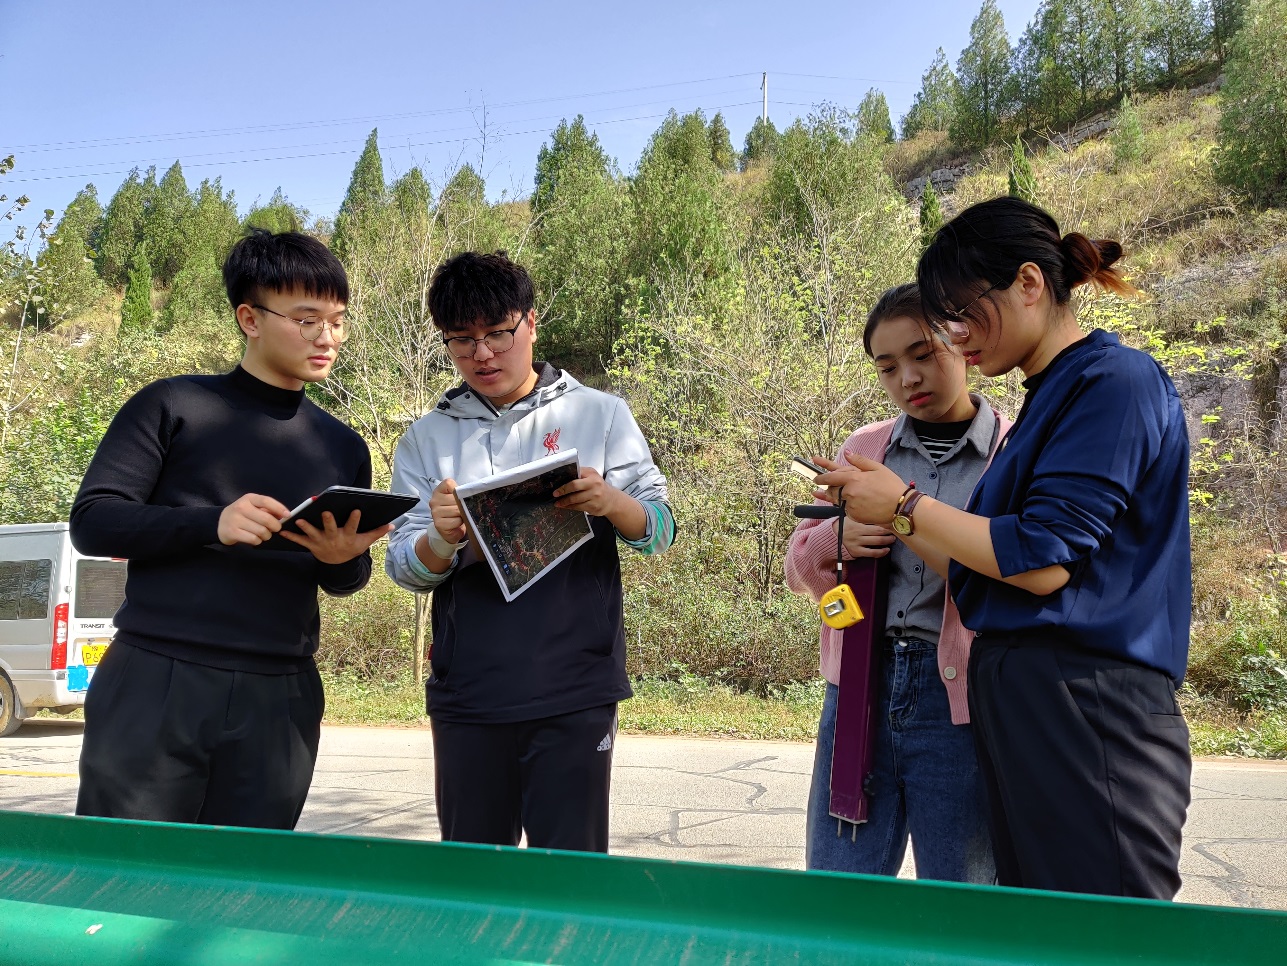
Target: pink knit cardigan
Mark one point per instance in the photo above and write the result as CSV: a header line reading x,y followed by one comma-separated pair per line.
x,y
811,569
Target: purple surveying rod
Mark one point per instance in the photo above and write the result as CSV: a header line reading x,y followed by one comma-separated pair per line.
x,y
851,760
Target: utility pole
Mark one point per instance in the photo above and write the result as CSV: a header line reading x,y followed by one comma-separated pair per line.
x,y
764,86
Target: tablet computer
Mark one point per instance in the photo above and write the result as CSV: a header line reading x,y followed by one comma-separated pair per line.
x,y
377,506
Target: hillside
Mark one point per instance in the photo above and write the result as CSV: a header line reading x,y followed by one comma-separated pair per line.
x,y
727,306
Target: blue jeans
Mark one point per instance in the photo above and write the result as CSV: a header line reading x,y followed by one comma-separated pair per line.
x,y
925,782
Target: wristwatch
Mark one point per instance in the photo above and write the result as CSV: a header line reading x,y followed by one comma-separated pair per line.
x,y
902,522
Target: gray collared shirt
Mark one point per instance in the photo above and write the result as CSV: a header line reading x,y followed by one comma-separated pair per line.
x,y
915,591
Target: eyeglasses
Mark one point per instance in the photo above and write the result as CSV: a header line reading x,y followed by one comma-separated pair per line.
x,y
957,328
311,327
463,347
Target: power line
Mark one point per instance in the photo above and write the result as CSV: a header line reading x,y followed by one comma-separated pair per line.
x,y
864,80
291,147
365,119
349,151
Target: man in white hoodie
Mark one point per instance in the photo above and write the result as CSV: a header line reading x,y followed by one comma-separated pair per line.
x,y
522,696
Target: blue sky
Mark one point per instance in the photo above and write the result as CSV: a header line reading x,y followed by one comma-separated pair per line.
x,y
272,93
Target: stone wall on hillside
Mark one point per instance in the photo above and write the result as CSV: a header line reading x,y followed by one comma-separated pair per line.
x,y
943,179
1225,389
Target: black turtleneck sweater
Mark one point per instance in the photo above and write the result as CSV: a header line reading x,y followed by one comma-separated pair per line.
x,y
176,454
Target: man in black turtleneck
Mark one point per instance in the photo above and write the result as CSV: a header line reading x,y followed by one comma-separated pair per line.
x,y
207,706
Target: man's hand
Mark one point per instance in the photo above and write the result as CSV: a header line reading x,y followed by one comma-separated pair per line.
x,y
590,494
252,519
334,544
447,518
864,540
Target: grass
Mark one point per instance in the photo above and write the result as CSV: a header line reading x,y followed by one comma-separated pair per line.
x,y
689,706
694,707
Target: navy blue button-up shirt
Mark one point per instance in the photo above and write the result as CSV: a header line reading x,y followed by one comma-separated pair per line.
x,y
1093,476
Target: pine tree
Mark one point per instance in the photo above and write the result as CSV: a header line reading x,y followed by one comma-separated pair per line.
x,y
412,195
569,145
1023,183
136,311
760,143
278,215
683,141
1253,125
72,285
472,224
682,206
1177,36
1226,20
931,214
722,153
873,116
465,191
211,224
122,229
196,295
985,85
363,201
1122,35
162,225
580,240
1043,82
1128,134
936,100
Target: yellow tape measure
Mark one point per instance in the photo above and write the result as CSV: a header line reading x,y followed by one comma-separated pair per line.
x,y
840,608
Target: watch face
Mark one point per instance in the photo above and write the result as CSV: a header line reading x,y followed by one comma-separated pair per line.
x,y
901,525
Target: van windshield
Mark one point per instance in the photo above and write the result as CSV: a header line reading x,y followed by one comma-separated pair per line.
x,y
100,588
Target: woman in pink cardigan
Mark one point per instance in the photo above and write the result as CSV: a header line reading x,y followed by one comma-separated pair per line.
x,y
925,781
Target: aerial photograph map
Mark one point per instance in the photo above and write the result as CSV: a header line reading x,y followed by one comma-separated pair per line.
x,y
516,524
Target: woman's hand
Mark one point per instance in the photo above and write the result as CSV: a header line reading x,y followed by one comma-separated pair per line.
x,y
863,540
870,490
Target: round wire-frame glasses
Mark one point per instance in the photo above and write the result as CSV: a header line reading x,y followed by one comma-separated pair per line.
x,y
311,326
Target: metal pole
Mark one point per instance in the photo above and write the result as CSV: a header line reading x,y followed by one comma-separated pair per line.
x,y
764,86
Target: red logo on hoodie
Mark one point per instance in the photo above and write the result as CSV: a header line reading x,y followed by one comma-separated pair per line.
x,y
552,442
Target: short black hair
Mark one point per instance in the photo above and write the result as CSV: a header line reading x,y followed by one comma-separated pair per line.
x,y
473,287
280,263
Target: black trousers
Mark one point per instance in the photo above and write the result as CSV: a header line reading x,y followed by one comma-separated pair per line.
x,y
171,741
549,778
1086,763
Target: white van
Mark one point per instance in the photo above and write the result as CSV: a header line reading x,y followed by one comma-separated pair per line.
x,y
56,610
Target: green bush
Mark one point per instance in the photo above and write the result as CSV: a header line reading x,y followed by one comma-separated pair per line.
x,y
1253,129
368,636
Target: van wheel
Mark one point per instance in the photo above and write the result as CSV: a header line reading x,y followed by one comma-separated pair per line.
x,y
10,711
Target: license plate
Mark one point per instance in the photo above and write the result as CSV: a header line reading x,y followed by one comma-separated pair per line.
x,y
91,654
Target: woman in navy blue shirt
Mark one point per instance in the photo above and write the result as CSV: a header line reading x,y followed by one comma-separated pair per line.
x,y
1071,562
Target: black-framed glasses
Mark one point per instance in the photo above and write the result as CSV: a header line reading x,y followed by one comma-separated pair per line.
x,y
957,328
464,347
311,327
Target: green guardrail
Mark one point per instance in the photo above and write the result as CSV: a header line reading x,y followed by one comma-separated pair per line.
x,y
77,890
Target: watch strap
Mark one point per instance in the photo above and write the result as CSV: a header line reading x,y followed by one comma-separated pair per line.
x,y
908,508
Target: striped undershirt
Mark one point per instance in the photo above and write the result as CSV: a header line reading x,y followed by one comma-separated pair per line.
x,y
940,438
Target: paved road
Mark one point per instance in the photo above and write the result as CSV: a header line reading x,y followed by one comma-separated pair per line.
x,y
740,802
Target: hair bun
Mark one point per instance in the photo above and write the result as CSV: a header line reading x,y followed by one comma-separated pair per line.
x,y
1088,260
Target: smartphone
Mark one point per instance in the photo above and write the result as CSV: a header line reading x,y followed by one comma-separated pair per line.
x,y
807,468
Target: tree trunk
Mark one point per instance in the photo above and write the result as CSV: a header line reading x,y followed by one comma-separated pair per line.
x,y
418,642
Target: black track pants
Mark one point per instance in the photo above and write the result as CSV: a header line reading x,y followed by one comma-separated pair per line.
x,y
171,741
548,777
1086,763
